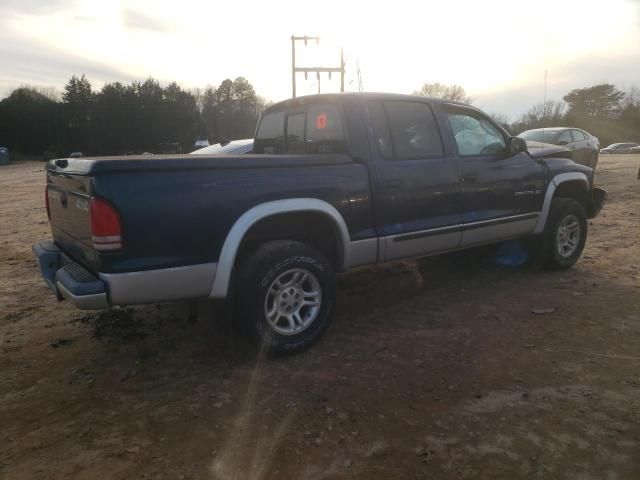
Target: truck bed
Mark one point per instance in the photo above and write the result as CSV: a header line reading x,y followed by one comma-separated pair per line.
x,y
176,210
124,164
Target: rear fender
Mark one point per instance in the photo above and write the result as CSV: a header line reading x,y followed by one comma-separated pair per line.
x,y
249,218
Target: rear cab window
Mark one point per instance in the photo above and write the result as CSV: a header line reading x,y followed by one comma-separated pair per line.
x,y
318,129
295,133
325,131
270,134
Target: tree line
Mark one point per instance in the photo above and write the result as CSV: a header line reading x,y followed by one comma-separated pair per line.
x,y
149,117
125,118
603,110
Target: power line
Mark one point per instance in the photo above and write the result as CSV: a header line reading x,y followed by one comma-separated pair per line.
x,y
316,70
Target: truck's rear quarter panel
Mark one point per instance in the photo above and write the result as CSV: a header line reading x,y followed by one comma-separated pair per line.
x,y
173,217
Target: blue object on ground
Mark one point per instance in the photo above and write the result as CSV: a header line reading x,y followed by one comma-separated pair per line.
x,y
4,156
511,254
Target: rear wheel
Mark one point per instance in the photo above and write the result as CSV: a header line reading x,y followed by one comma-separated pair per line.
x,y
285,296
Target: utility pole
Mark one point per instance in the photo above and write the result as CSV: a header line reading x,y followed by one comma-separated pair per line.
x,y
316,70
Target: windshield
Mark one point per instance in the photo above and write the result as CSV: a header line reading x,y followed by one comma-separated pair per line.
x,y
543,136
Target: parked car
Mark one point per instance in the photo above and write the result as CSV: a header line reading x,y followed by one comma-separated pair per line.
x,y
337,182
548,150
201,142
619,148
229,147
635,149
583,145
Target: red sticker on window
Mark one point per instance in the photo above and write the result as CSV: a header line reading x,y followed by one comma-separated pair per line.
x,y
321,121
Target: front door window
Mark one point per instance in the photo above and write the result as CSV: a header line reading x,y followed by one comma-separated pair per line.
x,y
475,135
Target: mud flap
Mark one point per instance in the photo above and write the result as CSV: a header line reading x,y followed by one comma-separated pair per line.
x,y
598,197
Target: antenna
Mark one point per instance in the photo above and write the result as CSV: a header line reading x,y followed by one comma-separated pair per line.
x,y
544,108
360,89
544,99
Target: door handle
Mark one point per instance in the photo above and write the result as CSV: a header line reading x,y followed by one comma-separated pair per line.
x,y
394,183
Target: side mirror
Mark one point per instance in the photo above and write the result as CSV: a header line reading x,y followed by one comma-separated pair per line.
x,y
516,145
563,142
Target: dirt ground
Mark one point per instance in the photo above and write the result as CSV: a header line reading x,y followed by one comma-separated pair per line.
x,y
432,370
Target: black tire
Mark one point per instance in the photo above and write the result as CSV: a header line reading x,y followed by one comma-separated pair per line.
x,y
254,294
546,246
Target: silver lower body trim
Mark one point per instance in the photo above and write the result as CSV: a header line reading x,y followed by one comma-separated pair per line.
x,y
160,285
364,252
496,233
438,242
97,301
456,237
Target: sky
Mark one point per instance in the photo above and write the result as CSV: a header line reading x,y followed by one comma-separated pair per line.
x,y
497,50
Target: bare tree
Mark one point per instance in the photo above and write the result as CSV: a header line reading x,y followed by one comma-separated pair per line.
x,y
448,92
501,120
631,98
543,114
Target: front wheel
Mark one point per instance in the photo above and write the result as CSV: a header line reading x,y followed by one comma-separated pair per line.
x,y
285,296
565,234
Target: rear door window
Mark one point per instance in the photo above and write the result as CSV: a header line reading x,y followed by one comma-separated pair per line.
x,y
565,137
325,131
578,136
413,130
270,134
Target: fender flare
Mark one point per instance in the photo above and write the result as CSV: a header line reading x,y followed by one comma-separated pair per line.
x,y
551,189
234,238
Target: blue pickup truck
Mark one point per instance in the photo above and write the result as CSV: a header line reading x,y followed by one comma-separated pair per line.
x,y
335,182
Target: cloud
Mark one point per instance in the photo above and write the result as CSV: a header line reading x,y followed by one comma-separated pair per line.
x,y
621,70
28,62
134,19
33,7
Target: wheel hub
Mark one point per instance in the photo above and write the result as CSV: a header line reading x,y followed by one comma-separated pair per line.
x,y
289,300
293,301
568,236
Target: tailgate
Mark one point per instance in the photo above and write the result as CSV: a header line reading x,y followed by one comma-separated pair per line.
x,y
68,197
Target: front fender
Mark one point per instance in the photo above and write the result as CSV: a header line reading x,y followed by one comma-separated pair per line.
x,y
555,182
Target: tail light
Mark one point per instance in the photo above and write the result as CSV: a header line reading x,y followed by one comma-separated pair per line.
x,y
106,228
46,201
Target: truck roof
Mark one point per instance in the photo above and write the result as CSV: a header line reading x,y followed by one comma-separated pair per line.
x,y
337,97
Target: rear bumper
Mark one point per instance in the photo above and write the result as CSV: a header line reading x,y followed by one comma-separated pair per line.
x,y
596,202
69,280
